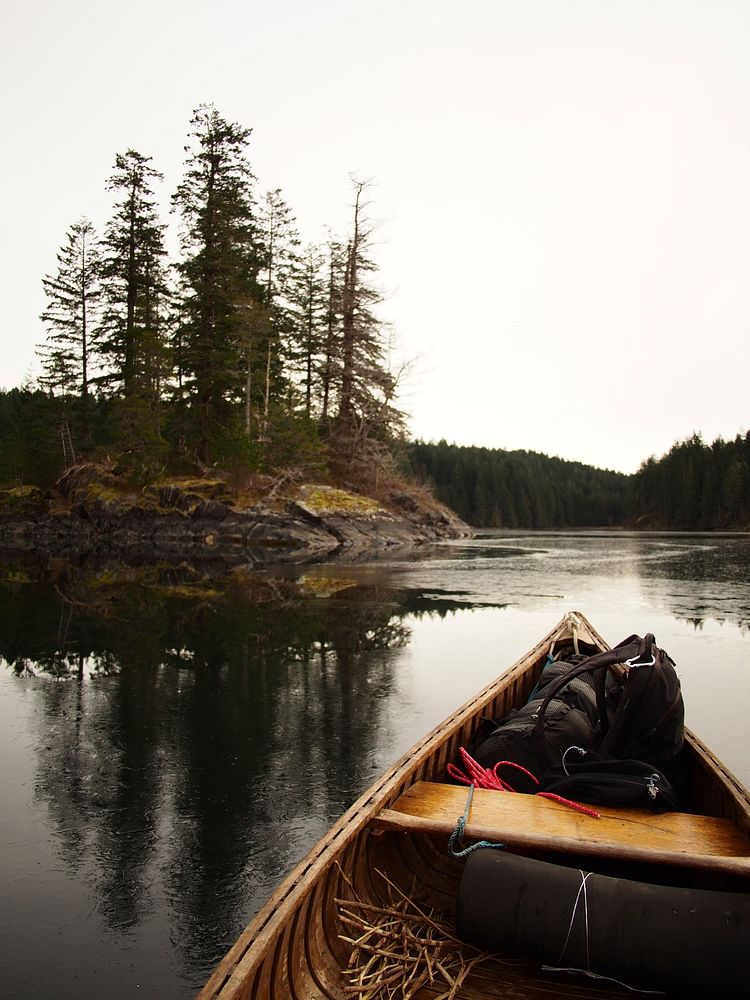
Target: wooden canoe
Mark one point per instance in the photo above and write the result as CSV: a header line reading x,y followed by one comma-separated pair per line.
x,y
393,840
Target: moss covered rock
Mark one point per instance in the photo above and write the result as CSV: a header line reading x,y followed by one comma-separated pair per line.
x,y
321,501
77,481
190,495
23,503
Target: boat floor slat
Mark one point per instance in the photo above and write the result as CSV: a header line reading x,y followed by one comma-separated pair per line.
x,y
531,822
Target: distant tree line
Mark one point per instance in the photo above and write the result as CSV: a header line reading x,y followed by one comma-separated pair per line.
x,y
491,488
249,350
694,486
697,486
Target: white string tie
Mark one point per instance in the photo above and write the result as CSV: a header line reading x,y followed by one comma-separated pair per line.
x,y
582,891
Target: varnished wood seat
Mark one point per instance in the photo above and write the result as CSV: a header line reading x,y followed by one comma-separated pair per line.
x,y
531,822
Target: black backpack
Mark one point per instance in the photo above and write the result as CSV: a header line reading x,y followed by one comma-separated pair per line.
x,y
642,718
570,719
582,703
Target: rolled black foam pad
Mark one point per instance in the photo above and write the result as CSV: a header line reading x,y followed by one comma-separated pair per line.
x,y
693,942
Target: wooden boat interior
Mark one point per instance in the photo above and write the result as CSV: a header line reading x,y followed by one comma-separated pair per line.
x,y
394,841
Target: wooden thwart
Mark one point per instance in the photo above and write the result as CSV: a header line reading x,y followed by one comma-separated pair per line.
x,y
527,821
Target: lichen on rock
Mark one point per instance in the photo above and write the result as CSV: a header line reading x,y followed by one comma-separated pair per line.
x,y
329,500
322,500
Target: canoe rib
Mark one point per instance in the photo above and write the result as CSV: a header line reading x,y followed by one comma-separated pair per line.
x,y
529,822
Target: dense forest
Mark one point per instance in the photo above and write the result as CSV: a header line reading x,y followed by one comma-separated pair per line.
x,y
697,486
694,486
248,351
491,488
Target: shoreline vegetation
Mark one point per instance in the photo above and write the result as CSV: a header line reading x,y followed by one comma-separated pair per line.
x,y
265,519
245,355
416,492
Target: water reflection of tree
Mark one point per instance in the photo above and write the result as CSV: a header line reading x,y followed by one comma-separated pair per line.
x,y
277,731
201,744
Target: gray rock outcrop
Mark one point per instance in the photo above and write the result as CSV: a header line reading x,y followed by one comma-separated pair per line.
x,y
197,518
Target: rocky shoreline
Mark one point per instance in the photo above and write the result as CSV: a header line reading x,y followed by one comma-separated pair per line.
x,y
95,514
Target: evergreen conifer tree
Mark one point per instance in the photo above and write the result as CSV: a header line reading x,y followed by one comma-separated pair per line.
x,y
219,269
134,323
135,283
310,297
73,298
367,417
330,362
278,257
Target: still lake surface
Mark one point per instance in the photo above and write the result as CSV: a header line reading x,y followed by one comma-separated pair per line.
x,y
173,741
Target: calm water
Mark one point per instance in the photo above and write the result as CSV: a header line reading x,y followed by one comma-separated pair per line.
x,y
173,740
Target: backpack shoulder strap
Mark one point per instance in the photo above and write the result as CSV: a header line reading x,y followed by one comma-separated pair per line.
x,y
644,657
632,648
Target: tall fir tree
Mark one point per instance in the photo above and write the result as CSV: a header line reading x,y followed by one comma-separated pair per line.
x,y
219,269
136,292
279,241
309,296
367,416
134,323
73,299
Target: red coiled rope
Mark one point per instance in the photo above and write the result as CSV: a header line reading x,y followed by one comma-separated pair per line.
x,y
482,777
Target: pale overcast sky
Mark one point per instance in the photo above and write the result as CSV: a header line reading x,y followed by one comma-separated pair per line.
x,y
563,186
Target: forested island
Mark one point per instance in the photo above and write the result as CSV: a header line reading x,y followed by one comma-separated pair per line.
x,y
230,379
259,363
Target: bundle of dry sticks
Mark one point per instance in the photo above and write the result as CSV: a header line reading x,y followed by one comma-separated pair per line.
x,y
401,947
